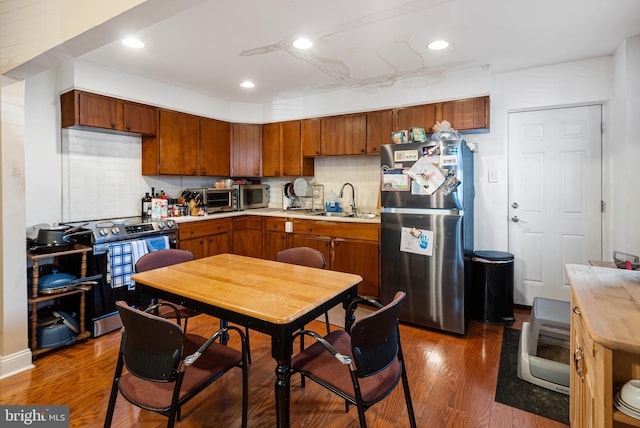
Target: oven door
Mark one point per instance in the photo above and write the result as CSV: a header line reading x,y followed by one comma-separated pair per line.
x,y
220,200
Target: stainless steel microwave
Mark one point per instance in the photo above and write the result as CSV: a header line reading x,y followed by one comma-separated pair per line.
x,y
253,196
221,200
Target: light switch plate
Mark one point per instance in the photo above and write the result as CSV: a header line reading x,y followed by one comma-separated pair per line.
x,y
494,176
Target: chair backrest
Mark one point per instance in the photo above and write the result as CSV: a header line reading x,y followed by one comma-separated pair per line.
x,y
151,346
303,256
162,258
375,338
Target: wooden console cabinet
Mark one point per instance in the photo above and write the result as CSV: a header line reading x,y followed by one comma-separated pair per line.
x,y
604,343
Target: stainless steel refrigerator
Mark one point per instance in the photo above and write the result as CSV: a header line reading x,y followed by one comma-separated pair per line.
x,y
427,231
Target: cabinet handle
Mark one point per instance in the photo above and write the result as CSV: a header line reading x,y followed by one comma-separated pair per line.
x,y
578,358
362,150
113,125
193,231
317,152
128,127
310,229
576,310
203,172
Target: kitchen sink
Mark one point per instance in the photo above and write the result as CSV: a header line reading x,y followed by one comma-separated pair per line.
x,y
343,214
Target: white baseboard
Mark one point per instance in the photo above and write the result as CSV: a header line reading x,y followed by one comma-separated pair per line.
x,y
15,363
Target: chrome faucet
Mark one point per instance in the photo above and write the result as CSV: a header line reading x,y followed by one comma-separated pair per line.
x,y
353,197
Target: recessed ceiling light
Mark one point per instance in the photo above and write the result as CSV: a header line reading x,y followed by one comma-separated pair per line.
x,y
303,43
438,45
248,84
132,42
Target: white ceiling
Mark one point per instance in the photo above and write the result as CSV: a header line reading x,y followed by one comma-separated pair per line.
x,y
214,45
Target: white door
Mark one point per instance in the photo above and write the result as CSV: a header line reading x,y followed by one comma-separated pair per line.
x,y
555,196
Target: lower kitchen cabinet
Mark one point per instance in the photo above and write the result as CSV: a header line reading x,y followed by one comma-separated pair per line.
x,y
347,247
274,238
605,352
206,237
247,236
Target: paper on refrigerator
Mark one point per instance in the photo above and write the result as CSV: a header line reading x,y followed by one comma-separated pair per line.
x,y
426,175
417,241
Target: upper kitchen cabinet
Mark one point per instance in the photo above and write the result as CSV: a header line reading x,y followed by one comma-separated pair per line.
x,y
310,130
215,147
178,143
282,150
422,116
344,135
466,115
379,129
83,109
246,150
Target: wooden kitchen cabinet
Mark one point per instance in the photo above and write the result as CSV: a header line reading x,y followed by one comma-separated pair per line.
x,y
344,135
605,353
83,109
206,238
215,148
178,143
347,247
423,116
466,115
247,236
282,151
274,237
246,150
379,129
310,130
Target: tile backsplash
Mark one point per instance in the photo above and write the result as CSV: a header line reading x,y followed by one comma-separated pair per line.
x,y
101,177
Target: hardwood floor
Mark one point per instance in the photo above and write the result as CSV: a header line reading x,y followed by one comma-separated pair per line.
x,y
452,385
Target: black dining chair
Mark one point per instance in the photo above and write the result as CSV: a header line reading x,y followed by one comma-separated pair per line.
x,y
363,363
160,368
161,258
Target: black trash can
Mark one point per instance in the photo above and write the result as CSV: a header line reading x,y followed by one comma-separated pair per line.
x,y
492,287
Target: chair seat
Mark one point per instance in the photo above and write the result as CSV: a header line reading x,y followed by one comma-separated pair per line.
x,y
156,395
317,362
168,312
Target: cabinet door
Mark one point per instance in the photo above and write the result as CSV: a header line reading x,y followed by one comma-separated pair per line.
x,y
98,111
379,129
198,246
292,162
320,243
219,243
344,135
247,236
246,150
422,116
467,114
271,144
359,257
215,147
272,243
179,143
139,118
310,135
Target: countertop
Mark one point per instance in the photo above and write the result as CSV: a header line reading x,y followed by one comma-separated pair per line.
x,y
276,212
609,301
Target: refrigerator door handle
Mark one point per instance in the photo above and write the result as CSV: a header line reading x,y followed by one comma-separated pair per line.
x,y
420,211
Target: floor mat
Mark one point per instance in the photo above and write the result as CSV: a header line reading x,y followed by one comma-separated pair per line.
x,y
523,395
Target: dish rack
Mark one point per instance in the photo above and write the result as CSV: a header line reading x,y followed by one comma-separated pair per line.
x,y
312,201
621,259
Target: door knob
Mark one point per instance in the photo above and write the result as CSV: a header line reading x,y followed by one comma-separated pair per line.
x,y
515,205
515,219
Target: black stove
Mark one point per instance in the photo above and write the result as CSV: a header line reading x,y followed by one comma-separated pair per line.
x,y
121,229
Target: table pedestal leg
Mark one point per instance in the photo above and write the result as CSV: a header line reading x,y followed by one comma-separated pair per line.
x,y
283,378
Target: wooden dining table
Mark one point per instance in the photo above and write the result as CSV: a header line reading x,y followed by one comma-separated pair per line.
x,y
267,296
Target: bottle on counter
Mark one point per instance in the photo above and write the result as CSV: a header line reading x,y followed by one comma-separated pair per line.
x,y
146,207
164,205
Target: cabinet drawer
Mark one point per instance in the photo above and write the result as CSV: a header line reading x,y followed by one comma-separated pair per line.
x,y
197,229
247,222
274,224
364,231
